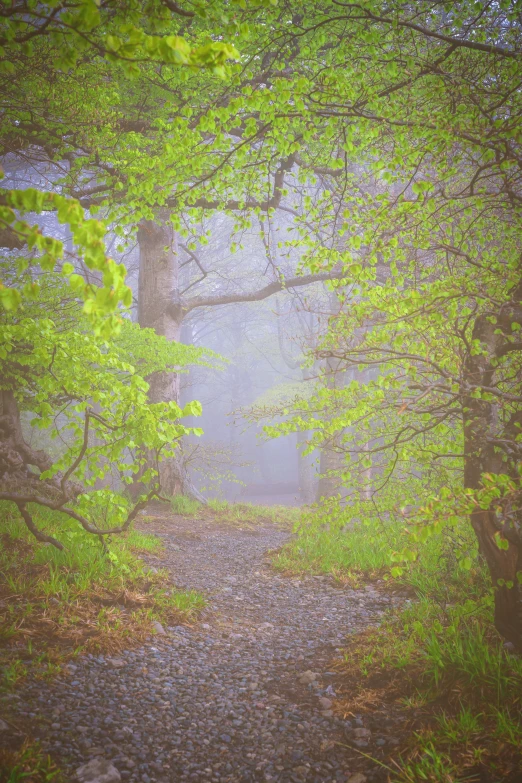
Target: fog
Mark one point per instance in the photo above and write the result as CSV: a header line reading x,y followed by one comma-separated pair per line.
x,y
261,350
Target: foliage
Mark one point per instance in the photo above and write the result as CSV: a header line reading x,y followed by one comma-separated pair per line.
x,y
52,46
422,362
88,237
111,31
444,661
92,396
360,541
391,134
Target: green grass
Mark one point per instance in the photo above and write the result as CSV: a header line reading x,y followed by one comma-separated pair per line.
x,y
185,507
355,555
341,554
440,653
236,514
29,764
54,603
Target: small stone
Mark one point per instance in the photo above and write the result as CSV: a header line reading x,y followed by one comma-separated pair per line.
x,y
115,663
226,738
98,771
324,703
308,677
357,778
159,629
363,734
3,725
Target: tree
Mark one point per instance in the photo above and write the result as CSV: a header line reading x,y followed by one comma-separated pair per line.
x,y
162,307
308,328
57,368
408,117
62,47
91,394
142,151
426,100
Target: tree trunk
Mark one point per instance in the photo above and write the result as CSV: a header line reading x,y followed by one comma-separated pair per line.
x,y
331,458
159,308
503,565
330,461
157,296
18,479
305,469
15,454
484,448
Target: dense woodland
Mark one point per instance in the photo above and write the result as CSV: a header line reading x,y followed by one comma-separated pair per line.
x,y
271,246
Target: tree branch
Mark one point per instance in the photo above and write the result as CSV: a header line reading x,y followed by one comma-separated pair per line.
x,y
45,539
11,239
262,293
86,200
460,42
176,9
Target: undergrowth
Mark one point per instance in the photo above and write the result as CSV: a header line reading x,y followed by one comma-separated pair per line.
x,y
439,654
55,603
28,764
242,515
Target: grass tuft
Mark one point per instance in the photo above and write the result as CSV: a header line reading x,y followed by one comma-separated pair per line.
x,y
184,506
28,764
244,515
54,604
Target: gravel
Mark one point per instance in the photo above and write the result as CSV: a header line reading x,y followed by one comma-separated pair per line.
x,y
244,695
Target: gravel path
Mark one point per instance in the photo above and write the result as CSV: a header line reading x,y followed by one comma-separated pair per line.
x,y
233,698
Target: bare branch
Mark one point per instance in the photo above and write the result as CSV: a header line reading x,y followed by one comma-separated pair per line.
x,y
45,539
262,293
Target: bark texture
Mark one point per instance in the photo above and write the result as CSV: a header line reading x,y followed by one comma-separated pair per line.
x,y
331,459
305,469
159,308
491,446
16,456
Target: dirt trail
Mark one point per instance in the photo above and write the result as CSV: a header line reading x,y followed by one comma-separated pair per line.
x,y
228,700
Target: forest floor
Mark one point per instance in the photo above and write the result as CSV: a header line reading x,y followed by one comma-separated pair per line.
x,y
248,693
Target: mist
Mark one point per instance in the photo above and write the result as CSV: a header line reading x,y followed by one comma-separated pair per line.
x,y
260,391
